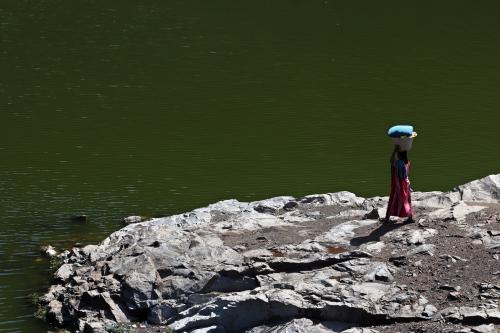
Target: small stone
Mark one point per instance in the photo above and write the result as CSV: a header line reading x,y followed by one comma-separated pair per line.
x,y
415,238
429,311
132,219
454,295
49,251
383,274
452,258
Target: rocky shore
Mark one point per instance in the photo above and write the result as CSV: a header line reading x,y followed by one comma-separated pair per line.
x,y
321,263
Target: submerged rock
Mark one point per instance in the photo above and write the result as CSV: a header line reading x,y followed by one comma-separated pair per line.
x,y
321,263
78,218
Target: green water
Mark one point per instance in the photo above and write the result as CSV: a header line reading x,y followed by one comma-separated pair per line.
x,y
112,108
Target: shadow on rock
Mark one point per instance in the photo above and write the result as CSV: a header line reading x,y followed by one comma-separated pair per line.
x,y
376,234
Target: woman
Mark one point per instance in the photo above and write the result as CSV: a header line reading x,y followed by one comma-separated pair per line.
x,y
400,198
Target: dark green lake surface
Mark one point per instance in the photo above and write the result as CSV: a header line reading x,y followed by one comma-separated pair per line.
x,y
114,108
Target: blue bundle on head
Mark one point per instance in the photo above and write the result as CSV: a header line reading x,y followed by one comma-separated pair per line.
x,y
400,131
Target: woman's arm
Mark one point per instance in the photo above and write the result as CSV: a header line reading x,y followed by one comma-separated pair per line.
x,y
394,153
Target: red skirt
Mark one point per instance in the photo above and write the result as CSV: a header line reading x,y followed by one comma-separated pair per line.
x,y
400,197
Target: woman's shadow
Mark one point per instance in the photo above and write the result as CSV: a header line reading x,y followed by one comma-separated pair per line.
x,y
375,235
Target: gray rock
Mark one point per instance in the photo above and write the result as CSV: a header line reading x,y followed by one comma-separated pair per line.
x,y
54,292
159,314
138,289
291,205
373,247
64,272
226,311
115,310
48,251
463,330
94,327
342,198
434,199
484,190
493,315
373,214
54,313
380,273
225,283
429,311
272,205
360,330
454,295
132,219
300,325
490,328
415,236
472,315
427,249
210,329
462,209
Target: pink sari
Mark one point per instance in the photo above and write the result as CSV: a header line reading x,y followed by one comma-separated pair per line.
x,y
400,198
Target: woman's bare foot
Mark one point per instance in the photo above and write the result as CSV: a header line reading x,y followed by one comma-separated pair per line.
x,y
384,220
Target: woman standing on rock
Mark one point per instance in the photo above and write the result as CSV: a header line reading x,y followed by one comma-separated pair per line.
x,y
400,197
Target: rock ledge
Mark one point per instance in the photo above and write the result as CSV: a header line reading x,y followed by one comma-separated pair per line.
x,y
321,263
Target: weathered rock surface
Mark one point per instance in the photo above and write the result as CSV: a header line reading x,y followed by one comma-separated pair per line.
x,y
321,263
